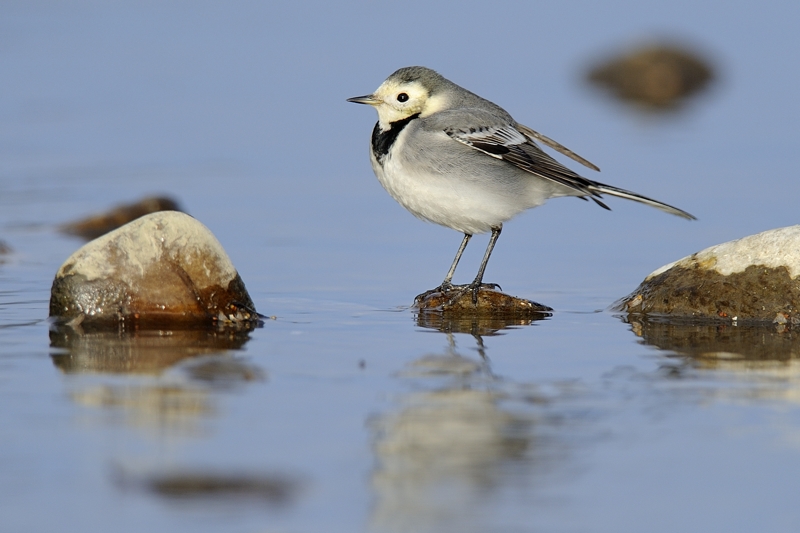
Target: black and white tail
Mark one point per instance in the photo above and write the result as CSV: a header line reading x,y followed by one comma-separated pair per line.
x,y
601,188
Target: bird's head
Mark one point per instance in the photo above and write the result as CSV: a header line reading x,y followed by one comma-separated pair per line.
x,y
409,91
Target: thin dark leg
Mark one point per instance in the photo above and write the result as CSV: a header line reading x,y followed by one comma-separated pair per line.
x,y
478,282
447,283
493,239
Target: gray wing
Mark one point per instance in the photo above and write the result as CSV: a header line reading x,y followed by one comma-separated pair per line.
x,y
507,142
514,143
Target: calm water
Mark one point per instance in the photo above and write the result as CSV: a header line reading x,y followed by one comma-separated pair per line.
x,y
344,412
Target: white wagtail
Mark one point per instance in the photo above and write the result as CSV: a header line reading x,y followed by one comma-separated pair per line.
x,y
456,159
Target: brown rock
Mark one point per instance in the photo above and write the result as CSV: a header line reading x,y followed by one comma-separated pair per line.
x,y
657,77
455,312
756,279
163,268
97,225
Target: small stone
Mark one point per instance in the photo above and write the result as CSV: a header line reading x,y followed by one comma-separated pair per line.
x,y
97,225
656,77
163,268
489,302
755,278
456,313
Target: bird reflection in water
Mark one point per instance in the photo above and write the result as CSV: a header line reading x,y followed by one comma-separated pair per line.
x,y
453,439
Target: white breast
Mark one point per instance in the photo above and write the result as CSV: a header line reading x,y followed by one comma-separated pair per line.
x,y
468,191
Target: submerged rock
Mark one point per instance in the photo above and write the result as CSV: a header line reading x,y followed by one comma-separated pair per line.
x,y
97,225
657,77
163,268
756,278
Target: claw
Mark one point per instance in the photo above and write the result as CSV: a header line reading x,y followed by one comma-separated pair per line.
x,y
458,291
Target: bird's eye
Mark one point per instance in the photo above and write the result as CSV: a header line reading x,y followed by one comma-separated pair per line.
x,y
402,97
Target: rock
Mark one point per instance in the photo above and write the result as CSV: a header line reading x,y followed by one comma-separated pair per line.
x,y
657,77
491,303
756,279
165,268
97,225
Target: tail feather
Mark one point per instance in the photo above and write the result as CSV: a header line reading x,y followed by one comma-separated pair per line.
x,y
600,188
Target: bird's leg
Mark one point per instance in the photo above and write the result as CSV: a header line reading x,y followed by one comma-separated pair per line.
x,y
476,285
447,284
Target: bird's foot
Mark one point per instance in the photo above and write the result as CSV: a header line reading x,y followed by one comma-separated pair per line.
x,y
476,287
457,291
444,288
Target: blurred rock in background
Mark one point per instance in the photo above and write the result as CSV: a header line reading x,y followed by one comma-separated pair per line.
x,y
97,225
654,77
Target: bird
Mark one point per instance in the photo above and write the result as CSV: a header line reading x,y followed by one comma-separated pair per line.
x,y
458,160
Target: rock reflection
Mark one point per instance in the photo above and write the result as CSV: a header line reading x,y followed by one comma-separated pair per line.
x,y
443,449
216,486
160,407
174,402
711,344
5,250
477,326
141,351
754,362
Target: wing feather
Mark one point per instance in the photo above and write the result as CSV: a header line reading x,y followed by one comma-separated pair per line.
x,y
510,144
514,143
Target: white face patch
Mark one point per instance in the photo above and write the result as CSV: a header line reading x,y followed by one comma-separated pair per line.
x,y
399,101
434,104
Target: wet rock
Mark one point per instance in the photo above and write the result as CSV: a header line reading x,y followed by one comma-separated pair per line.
x,y
90,349
753,279
97,225
162,269
657,77
491,304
